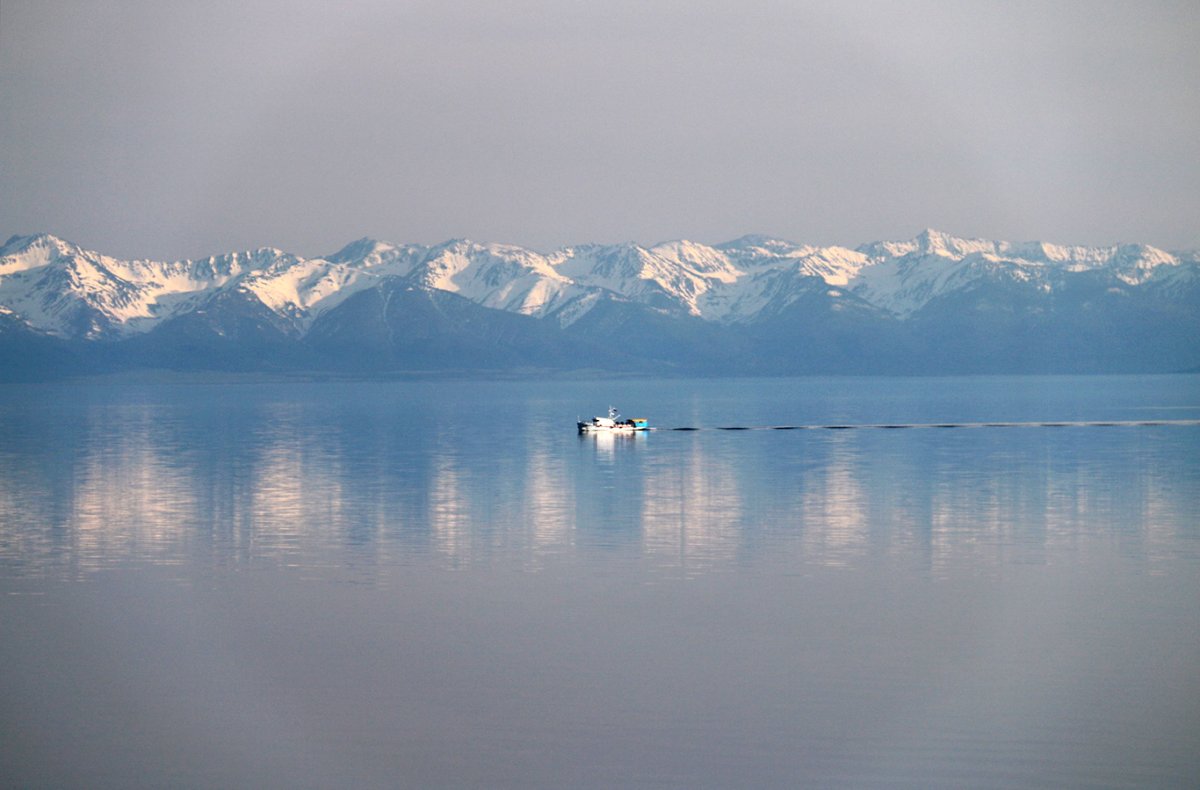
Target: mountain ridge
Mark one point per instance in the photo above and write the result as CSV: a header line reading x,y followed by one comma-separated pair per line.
x,y
730,293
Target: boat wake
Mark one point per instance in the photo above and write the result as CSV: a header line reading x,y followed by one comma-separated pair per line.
x,y
918,425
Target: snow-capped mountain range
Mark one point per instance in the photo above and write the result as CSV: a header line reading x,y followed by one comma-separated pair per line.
x,y
60,289
762,291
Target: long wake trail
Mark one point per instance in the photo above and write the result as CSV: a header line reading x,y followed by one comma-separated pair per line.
x,y
919,425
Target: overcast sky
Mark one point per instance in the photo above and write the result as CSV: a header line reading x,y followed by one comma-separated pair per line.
x,y
169,130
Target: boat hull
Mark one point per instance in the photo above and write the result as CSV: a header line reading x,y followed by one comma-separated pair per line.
x,y
587,427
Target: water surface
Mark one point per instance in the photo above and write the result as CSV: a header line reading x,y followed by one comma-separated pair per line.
x,y
439,583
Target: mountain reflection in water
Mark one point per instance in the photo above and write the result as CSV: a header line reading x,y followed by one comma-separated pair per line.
x,y
379,474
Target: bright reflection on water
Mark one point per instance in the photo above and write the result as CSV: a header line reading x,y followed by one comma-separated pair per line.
x,y
439,583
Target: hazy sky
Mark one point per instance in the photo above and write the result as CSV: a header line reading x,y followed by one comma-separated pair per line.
x,y
169,130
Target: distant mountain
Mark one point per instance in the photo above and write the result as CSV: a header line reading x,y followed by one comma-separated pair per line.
x,y
754,305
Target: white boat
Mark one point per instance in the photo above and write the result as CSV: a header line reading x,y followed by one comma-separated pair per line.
x,y
613,424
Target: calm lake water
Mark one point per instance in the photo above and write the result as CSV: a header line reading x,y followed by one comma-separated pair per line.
x,y
426,584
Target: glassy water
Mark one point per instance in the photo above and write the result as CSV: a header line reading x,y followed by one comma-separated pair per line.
x,y
441,584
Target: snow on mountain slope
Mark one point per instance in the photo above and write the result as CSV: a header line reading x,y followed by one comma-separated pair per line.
x,y
301,289
1133,262
633,272
905,284
902,277
682,272
777,273
929,242
677,275
58,288
500,276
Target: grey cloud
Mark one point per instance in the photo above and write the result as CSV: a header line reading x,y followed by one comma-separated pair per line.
x,y
173,130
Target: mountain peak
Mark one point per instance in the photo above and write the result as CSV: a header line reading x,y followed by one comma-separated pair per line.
x,y
46,241
457,244
933,240
756,241
936,242
358,249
